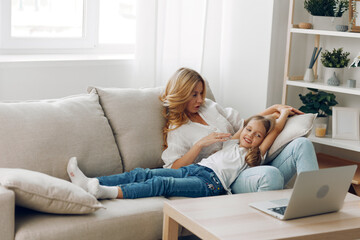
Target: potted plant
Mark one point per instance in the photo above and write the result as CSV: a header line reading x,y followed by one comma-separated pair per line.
x,y
334,63
319,102
326,13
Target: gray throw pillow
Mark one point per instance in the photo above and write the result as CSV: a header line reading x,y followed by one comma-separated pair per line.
x,y
43,135
41,192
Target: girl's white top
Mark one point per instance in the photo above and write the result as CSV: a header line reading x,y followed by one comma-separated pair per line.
x,y
227,163
219,119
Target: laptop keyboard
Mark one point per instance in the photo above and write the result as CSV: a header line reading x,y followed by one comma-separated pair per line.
x,y
279,210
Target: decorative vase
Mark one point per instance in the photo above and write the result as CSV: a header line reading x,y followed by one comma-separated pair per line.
x,y
342,28
326,23
329,72
309,75
333,81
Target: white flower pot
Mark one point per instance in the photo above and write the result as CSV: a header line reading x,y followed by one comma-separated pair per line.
x,y
328,73
326,23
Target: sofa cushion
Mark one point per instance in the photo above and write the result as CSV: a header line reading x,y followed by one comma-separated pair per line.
x,y
135,116
45,193
43,135
122,219
7,209
209,93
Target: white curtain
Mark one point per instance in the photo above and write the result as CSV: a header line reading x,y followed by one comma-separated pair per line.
x,y
179,33
177,37
180,36
229,42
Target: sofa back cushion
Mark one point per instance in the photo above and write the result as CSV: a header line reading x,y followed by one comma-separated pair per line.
x,y
43,135
135,116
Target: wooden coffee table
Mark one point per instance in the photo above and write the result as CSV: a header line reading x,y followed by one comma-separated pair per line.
x,y
230,217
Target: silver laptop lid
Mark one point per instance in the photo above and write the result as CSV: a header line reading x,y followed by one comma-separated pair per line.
x,y
317,192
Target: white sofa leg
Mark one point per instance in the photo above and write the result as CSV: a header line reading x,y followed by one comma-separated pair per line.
x,y
7,216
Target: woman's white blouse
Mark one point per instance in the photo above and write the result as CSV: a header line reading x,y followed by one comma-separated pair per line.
x,y
180,140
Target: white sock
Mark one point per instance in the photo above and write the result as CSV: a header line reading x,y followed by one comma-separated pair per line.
x,y
102,192
76,175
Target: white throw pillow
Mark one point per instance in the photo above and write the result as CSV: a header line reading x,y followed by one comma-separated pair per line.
x,y
296,126
41,192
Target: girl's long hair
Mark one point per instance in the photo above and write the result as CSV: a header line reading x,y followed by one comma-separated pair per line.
x,y
177,94
253,157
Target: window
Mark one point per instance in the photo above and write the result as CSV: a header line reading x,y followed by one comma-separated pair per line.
x,y
68,24
122,13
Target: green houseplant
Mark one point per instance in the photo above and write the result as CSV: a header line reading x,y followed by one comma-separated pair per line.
x,y
328,8
335,59
318,102
327,14
334,63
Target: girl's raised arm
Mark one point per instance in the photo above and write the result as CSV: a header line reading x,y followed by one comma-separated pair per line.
x,y
279,125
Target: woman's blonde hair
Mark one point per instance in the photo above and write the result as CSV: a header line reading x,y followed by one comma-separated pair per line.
x,y
177,94
253,157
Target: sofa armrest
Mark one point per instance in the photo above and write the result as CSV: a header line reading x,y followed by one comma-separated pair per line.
x,y
7,216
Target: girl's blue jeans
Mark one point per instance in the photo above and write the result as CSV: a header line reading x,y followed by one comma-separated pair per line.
x,y
190,181
298,156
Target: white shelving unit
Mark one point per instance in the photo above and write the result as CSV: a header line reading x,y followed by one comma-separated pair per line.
x,y
322,86
325,33
297,81
339,143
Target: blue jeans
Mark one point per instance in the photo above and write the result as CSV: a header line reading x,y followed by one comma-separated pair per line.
x,y
298,156
190,181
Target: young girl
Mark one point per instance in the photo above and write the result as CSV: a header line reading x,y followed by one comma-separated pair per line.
x,y
210,177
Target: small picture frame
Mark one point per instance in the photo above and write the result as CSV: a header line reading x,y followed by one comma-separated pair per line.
x,y
345,123
354,15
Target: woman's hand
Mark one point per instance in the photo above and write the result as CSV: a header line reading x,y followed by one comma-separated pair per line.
x,y
192,154
293,111
276,109
213,138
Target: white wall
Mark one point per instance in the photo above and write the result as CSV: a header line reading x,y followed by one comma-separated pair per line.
x,y
277,54
246,56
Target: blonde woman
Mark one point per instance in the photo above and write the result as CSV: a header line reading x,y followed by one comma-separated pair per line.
x,y
197,127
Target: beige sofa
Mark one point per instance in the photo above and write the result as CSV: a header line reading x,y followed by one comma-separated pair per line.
x,y
109,131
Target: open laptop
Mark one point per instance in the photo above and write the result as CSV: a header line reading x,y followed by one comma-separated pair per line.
x,y
314,192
